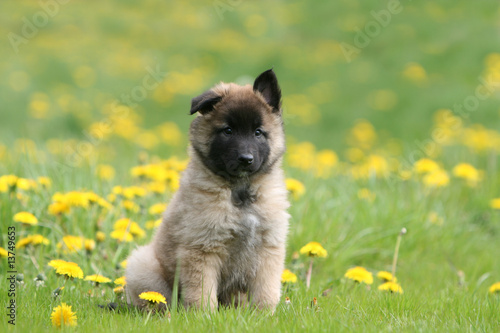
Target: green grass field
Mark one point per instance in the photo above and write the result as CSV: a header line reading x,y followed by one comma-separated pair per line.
x,y
392,118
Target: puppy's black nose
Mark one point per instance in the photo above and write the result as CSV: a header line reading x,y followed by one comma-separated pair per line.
x,y
245,159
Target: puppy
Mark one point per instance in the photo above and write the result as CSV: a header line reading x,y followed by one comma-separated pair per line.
x,y
224,230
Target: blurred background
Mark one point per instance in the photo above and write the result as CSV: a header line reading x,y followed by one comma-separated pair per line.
x,y
121,74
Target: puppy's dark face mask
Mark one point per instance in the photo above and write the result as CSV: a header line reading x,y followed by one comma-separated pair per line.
x,y
237,125
240,146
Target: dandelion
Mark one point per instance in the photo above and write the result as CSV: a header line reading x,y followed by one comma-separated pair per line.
x,y
63,316
3,253
495,203
437,178
129,226
68,269
391,286
386,276
123,264
89,244
100,236
26,218
495,288
157,208
295,187
119,290
71,243
120,281
33,240
58,208
425,165
288,277
97,278
122,235
130,206
359,274
312,249
468,173
153,224
45,182
153,297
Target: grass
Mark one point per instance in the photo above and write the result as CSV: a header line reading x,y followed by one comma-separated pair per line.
x,y
61,84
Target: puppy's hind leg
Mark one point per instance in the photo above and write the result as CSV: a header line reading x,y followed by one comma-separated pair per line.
x,y
144,273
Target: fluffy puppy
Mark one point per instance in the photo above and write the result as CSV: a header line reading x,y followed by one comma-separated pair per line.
x,y
224,230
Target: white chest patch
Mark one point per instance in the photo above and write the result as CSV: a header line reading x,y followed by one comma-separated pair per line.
x,y
250,222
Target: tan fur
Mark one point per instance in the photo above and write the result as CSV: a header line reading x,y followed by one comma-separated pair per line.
x,y
218,248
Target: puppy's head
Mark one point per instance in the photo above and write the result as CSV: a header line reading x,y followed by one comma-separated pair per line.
x,y
239,130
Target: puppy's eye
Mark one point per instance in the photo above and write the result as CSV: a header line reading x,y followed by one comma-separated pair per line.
x,y
227,131
258,132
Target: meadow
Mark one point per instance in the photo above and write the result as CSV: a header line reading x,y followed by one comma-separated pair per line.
x,y
392,115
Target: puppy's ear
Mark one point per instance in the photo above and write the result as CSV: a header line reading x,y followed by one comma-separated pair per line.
x,y
205,102
267,85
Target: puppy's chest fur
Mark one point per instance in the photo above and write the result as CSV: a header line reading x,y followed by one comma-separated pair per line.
x,y
240,253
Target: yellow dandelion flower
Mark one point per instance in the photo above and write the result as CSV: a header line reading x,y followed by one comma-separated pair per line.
x,y
386,276
495,288
9,180
467,172
130,206
3,253
121,281
158,208
122,235
89,244
153,224
26,218
415,72
63,316
123,264
100,236
33,240
157,187
314,249
425,165
495,203
295,187
71,243
133,191
153,297
359,274
97,278
70,270
58,208
118,290
117,190
437,178
288,277
26,184
391,286
76,199
56,263
45,182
